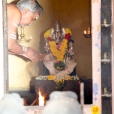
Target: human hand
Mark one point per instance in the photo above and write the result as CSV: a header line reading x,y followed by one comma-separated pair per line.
x,y
41,56
32,54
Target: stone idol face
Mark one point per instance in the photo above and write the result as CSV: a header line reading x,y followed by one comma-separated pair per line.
x,y
64,102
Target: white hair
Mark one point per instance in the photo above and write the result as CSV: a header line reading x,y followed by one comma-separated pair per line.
x,y
12,104
32,5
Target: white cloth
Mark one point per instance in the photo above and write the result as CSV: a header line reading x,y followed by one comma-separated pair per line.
x,y
49,63
64,102
12,104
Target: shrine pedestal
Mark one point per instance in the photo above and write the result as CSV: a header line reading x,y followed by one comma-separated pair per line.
x,y
48,86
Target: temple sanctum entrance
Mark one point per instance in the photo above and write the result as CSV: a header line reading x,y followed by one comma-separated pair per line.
x,y
102,59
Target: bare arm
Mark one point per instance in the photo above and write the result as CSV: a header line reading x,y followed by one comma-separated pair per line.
x,y
14,17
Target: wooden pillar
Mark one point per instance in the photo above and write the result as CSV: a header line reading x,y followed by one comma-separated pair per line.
x,y
106,57
3,49
112,56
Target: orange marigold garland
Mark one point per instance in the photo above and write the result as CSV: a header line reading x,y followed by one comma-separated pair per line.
x,y
59,54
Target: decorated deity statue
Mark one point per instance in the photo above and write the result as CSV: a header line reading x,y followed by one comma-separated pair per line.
x,y
59,51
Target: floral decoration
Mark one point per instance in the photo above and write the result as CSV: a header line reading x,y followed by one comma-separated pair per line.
x,y
58,50
59,65
53,77
68,31
67,36
59,54
59,83
47,33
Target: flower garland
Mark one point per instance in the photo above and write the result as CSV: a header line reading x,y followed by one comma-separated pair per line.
x,y
53,77
47,33
59,54
68,31
59,83
59,65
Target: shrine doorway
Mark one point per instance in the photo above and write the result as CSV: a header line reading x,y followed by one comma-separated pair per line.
x,y
96,55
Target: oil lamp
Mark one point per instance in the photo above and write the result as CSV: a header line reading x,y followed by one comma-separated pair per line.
x,y
87,33
21,38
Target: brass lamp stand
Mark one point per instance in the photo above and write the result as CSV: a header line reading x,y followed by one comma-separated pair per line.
x,y
21,38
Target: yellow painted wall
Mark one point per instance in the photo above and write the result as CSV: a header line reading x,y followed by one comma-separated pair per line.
x,y
72,14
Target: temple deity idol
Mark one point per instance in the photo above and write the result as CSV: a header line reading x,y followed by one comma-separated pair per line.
x,y
59,51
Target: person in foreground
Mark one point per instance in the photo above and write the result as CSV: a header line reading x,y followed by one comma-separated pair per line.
x,y
22,14
12,104
62,102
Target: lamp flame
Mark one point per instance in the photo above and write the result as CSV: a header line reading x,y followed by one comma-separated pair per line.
x,y
84,31
41,99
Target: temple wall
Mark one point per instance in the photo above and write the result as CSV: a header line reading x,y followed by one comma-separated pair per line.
x,y
72,14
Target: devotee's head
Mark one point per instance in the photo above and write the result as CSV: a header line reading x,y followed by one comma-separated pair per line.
x,y
58,34
12,104
64,102
30,9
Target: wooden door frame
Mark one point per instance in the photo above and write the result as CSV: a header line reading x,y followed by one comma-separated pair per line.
x,y
112,56
96,57
3,49
96,54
